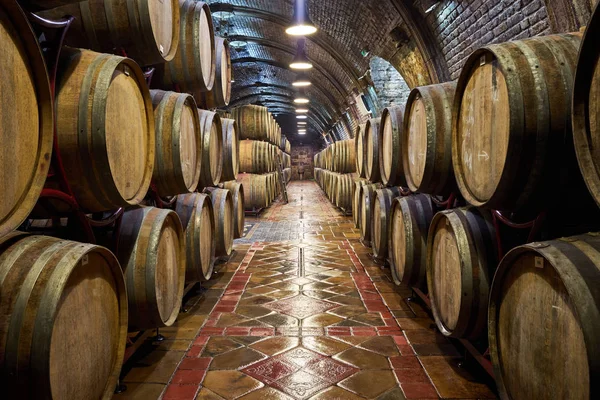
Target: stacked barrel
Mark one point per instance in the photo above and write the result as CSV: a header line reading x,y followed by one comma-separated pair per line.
x,y
515,130
263,153
335,173
128,154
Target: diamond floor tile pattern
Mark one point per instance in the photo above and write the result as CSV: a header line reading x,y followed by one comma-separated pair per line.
x,y
301,312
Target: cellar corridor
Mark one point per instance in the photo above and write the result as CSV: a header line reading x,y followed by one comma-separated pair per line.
x,y
301,312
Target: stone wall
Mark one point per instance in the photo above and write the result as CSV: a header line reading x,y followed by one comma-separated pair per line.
x,y
389,84
303,160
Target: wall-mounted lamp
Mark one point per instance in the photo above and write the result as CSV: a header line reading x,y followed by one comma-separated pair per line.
x,y
301,25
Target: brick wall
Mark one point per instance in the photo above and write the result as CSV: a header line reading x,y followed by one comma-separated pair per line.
x,y
302,160
390,86
461,26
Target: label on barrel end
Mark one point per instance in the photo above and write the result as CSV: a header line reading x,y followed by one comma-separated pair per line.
x,y
539,262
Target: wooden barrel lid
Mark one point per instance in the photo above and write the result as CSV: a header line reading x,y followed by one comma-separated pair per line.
x,y
206,46
126,133
188,145
483,131
398,241
161,19
417,141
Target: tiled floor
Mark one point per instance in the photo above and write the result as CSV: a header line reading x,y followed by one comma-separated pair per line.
x,y
300,312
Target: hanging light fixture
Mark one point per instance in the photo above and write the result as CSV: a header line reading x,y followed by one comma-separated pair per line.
x,y
301,117
301,98
301,61
301,110
301,80
301,25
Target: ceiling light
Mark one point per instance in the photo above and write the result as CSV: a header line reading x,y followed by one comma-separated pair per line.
x,y
301,61
301,25
429,5
301,100
301,80
302,110
238,44
301,117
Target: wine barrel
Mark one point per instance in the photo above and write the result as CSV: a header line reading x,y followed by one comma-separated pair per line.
x,y
288,147
283,142
345,191
251,121
231,150
427,139
195,211
372,144
256,157
360,150
224,219
220,94
145,30
239,218
366,212
287,173
511,130
411,217
105,129
63,319
357,200
390,157
152,254
543,320
255,191
381,221
461,258
212,148
345,156
26,119
178,143
586,107
192,70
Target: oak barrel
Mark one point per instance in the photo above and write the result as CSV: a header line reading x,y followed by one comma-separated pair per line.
x,y
255,191
372,144
427,139
543,320
105,129
345,160
145,30
195,211
359,149
239,217
212,148
224,219
461,258
152,254
357,200
220,94
63,319
256,157
251,121
26,119
345,191
192,70
231,150
586,107
178,143
381,220
390,157
511,139
410,219
366,212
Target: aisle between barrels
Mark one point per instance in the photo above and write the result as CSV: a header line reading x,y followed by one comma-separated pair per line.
x,y
300,312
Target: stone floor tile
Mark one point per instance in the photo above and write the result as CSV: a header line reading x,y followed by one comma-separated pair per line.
x,y
266,393
236,359
218,345
277,320
156,367
230,384
206,394
301,385
141,391
370,383
300,306
415,323
324,345
276,345
363,359
419,391
321,320
336,393
252,311
383,345
451,381
394,394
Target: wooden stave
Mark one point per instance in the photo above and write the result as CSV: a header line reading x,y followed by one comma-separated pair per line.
x,y
33,345
237,190
585,76
438,175
22,206
251,122
91,28
92,193
210,176
366,212
517,191
359,140
217,97
382,201
223,210
231,146
394,114
189,208
167,176
472,317
184,71
144,312
575,261
418,211
372,143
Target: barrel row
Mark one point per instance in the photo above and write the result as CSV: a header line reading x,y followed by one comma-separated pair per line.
x,y
260,190
338,157
258,157
257,123
337,187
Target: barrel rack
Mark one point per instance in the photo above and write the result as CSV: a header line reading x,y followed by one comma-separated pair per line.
x,y
51,35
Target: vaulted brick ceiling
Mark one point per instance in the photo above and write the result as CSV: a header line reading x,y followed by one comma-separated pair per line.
x,y
347,28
